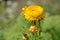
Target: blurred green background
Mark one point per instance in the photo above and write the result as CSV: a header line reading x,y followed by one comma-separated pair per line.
x,y
12,25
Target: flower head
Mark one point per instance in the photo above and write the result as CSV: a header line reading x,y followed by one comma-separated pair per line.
x,y
33,13
33,29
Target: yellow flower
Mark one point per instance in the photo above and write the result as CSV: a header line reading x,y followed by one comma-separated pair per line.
x,y
33,13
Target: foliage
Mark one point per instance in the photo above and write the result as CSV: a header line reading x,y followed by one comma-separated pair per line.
x,y
51,27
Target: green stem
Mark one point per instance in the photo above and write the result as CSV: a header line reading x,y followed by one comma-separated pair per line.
x,y
34,36
39,29
33,23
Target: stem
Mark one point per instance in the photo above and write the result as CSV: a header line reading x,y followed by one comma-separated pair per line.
x,y
39,27
40,30
33,23
34,36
